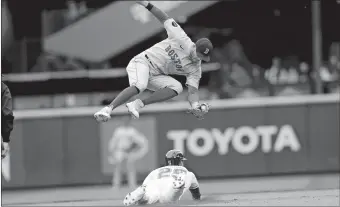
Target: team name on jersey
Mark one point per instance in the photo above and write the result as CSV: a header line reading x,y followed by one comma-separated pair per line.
x,y
174,57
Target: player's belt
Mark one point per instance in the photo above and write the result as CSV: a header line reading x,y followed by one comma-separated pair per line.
x,y
147,57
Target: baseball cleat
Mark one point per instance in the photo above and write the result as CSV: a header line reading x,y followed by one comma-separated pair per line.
x,y
103,115
134,107
134,197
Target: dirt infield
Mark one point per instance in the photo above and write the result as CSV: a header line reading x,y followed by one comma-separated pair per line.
x,y
317,190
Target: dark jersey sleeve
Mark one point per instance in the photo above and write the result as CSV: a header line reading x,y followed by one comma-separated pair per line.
x,y
7,116
196,194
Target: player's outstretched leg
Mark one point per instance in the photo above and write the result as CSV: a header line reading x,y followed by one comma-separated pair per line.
x,y
135,196
125,95
138,73
158,96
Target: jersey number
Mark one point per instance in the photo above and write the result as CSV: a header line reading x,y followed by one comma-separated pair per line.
x,y
166,172
174,57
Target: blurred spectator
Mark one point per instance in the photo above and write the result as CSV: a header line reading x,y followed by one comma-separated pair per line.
x,y
304,72
272,74
288,76
334,59
235,72
334,65
6,28
283,71
292,64
289,73
326,75
330,70
82,8
126,146
72,12
53,62
220,80
239,76
48,62
235,54
73,64
219,77
7,119
326,78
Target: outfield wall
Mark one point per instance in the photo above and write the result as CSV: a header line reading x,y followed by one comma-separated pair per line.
x,y
239,137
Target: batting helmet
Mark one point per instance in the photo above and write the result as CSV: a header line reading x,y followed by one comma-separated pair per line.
x,y
174,157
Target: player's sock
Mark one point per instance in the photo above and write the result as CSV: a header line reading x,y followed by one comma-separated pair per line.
x,y
124,96
160,95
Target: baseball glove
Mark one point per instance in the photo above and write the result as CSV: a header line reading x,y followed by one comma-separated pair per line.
x,y
199,111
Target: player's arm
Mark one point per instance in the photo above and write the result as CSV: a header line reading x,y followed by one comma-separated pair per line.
x,y
194,188
193,96
158,13
197,109
193,84
173,30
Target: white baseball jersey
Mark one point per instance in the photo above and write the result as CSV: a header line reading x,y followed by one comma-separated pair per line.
x,y
159,184
175,55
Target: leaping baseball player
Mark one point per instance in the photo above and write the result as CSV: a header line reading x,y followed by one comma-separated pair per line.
x,y
166,184
176,55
